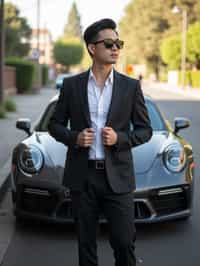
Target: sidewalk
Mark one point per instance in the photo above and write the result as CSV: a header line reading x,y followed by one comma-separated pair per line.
x,y
187,92
28,106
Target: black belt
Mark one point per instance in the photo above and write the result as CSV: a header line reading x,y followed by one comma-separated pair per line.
x,y
97,164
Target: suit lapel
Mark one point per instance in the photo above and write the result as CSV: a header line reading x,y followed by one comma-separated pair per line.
x,y
117,95
82,88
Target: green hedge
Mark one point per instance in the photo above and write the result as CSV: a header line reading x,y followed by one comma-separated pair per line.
x,y
192,78
195,76
9,105
2,111
24,73
45,70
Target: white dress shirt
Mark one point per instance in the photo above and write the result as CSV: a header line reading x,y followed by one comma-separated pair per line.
x,y
99,102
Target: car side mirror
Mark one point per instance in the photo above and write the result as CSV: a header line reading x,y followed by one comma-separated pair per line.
x,y
24,124
180,123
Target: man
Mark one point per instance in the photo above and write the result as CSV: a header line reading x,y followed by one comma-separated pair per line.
x,y
100,105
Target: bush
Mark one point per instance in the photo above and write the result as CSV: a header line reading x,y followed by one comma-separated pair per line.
x,y
187,78
195,77
192,78
45,75
24,73
2,111
9,105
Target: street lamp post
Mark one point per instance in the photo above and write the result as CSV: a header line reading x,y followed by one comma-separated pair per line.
x,y
1,49
183,42
183,50
38,45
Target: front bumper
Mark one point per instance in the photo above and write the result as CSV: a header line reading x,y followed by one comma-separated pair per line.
x,y
152,205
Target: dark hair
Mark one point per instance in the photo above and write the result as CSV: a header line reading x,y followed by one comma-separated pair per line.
x,y
91,33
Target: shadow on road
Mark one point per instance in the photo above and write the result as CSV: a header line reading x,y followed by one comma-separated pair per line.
x,y
144,231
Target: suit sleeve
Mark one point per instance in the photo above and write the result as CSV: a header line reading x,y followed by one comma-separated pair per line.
x,y
142,130
57,126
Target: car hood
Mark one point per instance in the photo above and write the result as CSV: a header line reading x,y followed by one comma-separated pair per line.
x,y
143,155
55,150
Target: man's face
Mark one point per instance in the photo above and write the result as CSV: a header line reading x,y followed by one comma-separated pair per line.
x,y
100,53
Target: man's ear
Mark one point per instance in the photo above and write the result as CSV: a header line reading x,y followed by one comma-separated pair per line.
x,y
91,48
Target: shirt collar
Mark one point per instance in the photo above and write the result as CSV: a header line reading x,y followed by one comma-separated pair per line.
x,y
109,79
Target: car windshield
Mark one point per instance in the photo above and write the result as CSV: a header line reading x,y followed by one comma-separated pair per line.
x,y
157,121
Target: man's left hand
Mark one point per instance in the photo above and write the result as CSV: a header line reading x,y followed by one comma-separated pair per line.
x,y
109,136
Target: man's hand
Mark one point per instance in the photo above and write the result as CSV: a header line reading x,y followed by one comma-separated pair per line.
x,y
109,136
86,137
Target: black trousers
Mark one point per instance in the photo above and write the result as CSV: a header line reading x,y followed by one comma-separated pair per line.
x,y
118,209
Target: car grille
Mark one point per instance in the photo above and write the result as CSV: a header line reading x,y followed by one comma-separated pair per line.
x,y
167,204
37,201
65,210
141,210
41,201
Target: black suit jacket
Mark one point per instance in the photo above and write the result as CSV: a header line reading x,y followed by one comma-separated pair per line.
x,y
127,106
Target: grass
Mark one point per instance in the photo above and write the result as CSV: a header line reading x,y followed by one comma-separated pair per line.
x,y
2,111
9,105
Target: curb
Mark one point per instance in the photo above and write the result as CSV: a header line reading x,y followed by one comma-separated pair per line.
x,y
4,186
4,178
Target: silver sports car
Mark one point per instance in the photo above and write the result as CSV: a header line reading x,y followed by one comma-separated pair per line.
x,y
164,169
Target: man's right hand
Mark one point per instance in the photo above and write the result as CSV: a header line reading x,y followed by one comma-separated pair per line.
x,y
86,137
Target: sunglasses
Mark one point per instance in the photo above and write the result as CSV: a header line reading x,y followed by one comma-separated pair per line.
x,y
108,43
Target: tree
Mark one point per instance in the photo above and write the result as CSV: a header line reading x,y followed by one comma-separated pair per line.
x,y
170,51
73,26
147,22
68,52
193,47
175,20
17,32
171,48
142,28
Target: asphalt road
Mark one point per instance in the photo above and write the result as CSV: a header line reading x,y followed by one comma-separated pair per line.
x,y
168,244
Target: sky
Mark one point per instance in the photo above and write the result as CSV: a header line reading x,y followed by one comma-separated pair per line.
x,y
53,13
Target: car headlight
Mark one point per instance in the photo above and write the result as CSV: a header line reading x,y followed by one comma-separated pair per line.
x,y
31,160
174,157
